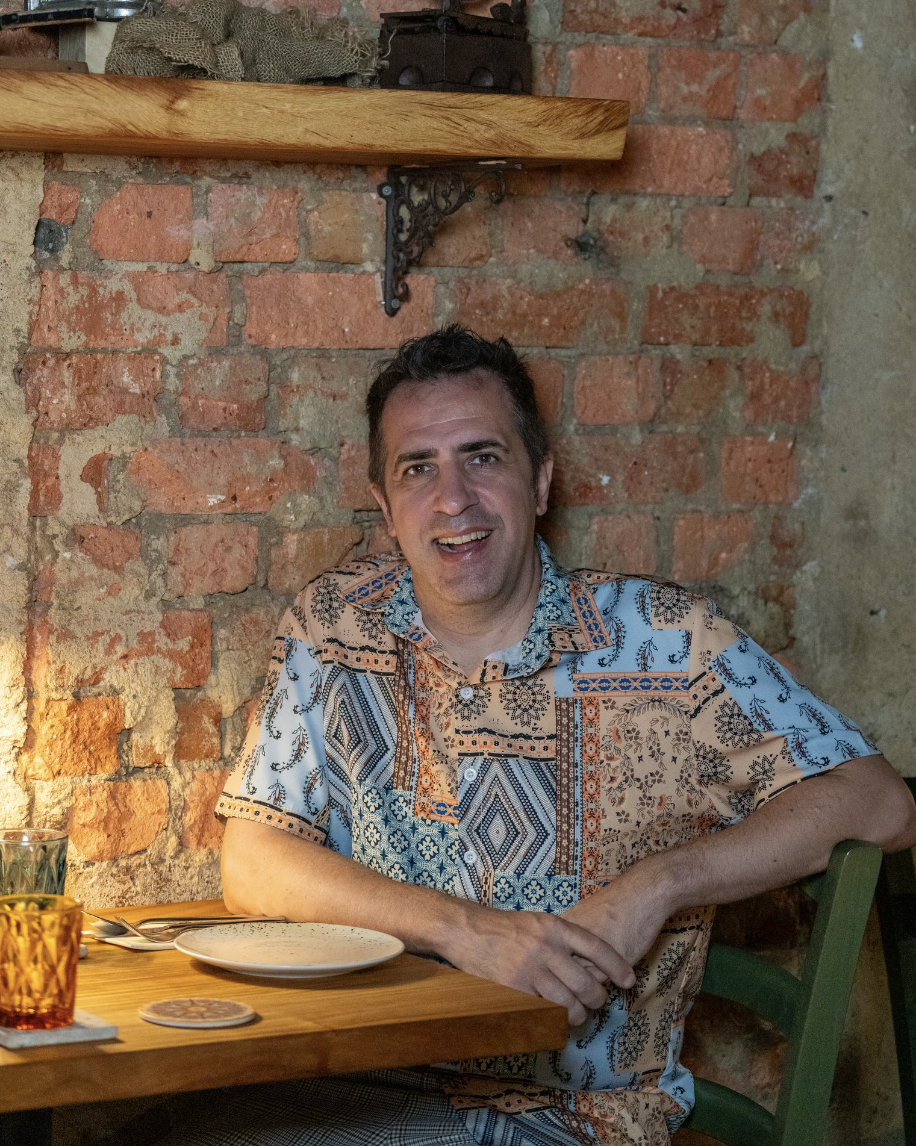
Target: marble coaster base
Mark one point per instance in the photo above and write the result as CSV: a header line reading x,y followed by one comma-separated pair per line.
x,y
85,1028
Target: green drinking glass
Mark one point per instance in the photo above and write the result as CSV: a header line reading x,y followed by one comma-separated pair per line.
x,y
33,861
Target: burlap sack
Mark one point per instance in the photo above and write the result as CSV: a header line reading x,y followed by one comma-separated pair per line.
x,y
227,40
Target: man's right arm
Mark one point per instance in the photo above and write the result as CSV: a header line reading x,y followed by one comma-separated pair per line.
x,y
266,871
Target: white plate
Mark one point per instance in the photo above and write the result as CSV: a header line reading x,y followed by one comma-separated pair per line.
x,y
289,950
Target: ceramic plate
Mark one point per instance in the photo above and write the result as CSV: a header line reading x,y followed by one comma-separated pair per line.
x,y
289,950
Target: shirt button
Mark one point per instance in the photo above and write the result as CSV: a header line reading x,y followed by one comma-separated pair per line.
x,y
470,857
466,693
470,773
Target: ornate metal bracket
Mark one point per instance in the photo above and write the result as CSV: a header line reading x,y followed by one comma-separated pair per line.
x,y
417,199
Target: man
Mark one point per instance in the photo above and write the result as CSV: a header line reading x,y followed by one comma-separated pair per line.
x,y
545,778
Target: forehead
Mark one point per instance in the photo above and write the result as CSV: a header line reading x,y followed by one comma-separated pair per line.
x,y
444,407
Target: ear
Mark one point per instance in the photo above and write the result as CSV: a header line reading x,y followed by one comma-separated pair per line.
x,y
542,486
379,494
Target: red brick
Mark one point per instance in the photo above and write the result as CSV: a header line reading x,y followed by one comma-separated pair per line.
x,y
44,474
223,392
301,555
144,222
81,391
78,310
74,737
197,729
193,475
379,541
352,477
609,71
788,236
623,543
108,546
588,470
118,819
692,81
780,87
254,224
614,390
663,159
789,169
722,238
211,559
758,471
463,239
786,538
693,391
774,396
764,21
561,316
95,473
28,42
536,225
662,465
346,227
631,226
200,828
706,544
690,20
709,315
61,203
325,393
547,376
544,68
332,310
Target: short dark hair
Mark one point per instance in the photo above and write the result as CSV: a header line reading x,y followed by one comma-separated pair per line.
x,y
456,350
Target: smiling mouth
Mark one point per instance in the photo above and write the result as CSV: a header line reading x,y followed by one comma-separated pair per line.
x,y
460,542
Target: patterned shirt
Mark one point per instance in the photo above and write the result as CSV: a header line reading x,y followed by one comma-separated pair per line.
x,y
632,717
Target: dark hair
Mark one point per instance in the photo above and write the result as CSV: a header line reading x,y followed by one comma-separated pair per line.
x,y
456,350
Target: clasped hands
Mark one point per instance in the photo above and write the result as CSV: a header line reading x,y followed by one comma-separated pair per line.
x,y
571,958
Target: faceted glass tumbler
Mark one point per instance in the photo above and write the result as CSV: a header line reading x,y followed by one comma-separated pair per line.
x,y
33,861
39,949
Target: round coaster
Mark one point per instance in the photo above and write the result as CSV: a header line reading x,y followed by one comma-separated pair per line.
x,y
197,1013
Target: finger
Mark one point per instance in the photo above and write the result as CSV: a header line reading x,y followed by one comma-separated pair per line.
x,y
592,970
583,985
602,954
548,986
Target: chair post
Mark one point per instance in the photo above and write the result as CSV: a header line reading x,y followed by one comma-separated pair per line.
x,y
844,896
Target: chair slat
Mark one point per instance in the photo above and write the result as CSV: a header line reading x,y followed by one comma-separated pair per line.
x,y
730,1117
747,978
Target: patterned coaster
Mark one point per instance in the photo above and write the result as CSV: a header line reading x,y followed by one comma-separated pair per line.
x,y
199,1013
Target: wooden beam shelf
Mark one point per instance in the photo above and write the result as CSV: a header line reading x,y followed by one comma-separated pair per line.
x,y
128,115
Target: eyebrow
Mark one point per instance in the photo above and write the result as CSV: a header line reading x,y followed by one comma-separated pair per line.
x,y
465,448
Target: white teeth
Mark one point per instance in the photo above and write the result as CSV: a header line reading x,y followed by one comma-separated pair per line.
x,y
464,538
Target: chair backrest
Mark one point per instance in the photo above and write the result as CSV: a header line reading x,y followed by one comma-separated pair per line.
x,y
809,1011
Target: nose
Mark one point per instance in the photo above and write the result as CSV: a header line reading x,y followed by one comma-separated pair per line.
x,y
454,490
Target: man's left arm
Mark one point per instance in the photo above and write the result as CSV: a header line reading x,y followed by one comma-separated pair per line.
x,y
789,837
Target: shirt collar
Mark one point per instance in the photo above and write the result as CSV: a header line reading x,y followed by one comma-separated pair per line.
x,y
554,628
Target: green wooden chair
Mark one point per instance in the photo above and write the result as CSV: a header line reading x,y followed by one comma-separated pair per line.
x,y
809,1012
896,900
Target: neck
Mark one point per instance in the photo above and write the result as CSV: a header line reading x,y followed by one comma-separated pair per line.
x,y
469,632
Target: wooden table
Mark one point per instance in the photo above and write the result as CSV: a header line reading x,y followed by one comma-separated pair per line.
x,y
403,1013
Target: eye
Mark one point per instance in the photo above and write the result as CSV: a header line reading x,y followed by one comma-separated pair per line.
x,y
417,469
485,459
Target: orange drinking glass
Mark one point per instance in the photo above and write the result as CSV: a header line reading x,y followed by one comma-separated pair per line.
x,y
39,949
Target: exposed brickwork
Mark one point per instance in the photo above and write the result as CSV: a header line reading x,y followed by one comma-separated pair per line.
x,y
692,20
302,555
254,225
705,544
118,819
723,238
108,546
79,391
614,390
708,315
144,223
780,87
692,81
200,827
223,392
211,559
776,396
75,737
61,203
609,71
623,542
759,471
693,390
789,168
197,731
44,475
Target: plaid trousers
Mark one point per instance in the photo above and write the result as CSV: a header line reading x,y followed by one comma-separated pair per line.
x,y
378,1108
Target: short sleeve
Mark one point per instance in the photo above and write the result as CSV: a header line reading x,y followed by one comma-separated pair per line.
x,y
756,729
280,778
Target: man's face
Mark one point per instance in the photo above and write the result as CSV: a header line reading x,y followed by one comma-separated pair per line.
x,y
459,493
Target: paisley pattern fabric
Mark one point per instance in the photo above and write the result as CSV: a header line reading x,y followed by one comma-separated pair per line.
x,y
631,718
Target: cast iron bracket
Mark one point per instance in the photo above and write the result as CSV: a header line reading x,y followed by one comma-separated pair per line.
x,y
417,199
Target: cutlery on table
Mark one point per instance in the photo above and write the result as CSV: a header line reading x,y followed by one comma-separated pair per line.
x,y
165,933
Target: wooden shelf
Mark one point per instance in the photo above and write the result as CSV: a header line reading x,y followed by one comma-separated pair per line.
x,y
127,115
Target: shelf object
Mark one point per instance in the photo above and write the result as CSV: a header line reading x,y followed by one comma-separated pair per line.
x,y
207,119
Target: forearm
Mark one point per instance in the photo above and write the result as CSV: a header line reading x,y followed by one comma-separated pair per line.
x,y
788,838
266,871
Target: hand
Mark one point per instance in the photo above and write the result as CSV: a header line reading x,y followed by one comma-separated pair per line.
x,y
542,954
628,913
